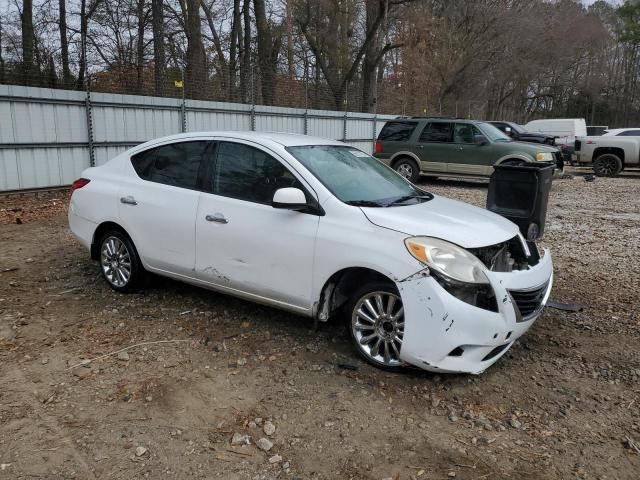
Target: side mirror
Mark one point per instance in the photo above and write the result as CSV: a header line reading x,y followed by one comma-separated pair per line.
x,y
289,199
507,130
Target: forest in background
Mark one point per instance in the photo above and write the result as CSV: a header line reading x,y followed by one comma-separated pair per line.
x,y
493,59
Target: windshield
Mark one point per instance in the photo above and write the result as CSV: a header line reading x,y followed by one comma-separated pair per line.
x,y
517,128
357,178
493,133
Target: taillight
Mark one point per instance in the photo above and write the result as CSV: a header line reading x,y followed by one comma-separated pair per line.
x,y
378,147
79,183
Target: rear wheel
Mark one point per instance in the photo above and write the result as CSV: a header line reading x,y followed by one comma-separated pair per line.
x,y
120,263
607,165
408,168
375,319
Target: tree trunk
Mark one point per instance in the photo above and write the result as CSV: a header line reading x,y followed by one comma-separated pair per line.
x,y
268,49
2,72
245,63
370,61
64,44
157,11
82,65
290,57
195,75
235,39
52,78
140,47
27,42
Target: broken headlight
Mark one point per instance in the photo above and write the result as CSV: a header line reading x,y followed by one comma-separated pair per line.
x,y
457,270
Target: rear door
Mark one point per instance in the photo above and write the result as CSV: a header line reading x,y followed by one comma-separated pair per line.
x,y
434,146
158,206
471,152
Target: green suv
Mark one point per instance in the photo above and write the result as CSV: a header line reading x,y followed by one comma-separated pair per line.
x,y
453,147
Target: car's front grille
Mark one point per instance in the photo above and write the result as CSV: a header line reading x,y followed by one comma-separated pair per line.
x,y
529,301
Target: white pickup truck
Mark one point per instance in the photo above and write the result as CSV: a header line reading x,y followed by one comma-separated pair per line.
x,y
609,153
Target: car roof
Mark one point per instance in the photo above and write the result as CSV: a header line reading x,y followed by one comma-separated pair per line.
x,y
284,139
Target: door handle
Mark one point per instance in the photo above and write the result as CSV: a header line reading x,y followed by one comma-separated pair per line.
x,y
217,217
128,200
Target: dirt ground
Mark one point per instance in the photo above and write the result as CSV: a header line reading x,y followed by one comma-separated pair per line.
x,y
563,403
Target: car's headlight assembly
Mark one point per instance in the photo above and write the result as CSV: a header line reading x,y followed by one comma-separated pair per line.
x,y
544,157
447,258
458,271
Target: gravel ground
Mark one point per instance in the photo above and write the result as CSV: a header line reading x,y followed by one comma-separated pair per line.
x,y
224,388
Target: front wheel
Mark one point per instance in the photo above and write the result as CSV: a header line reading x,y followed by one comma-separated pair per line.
x,y
408,168
119,262
607,165
375,319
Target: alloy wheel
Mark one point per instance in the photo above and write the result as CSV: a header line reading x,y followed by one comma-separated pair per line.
x,y
115,260
606,166
405,170
377,323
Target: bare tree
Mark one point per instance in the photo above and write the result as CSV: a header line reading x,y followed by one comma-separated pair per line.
x,y
27,42
157,14
196,74
64,43
269,44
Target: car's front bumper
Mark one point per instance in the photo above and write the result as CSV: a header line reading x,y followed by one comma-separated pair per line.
x,y
445,334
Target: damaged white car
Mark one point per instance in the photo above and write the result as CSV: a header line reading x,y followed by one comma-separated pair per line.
x,y
322,229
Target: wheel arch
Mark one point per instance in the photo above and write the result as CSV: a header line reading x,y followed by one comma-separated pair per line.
x,y
618,151
101,230
513,156
337,289
402,154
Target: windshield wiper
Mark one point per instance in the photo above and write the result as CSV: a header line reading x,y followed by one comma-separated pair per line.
x,y
405,198
364,203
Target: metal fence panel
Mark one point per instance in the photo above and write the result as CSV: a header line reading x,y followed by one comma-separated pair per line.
x,y
45,140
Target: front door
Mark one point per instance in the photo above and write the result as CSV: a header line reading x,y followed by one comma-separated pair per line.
x,y
471,152
245,244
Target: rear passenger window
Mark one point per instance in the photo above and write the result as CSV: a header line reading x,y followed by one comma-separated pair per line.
x,y
397,131
176,164
629,133
436,132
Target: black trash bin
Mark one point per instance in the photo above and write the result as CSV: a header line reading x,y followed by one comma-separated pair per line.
x,y
521,193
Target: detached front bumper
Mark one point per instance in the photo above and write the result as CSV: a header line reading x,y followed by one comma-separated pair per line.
x,y
445,334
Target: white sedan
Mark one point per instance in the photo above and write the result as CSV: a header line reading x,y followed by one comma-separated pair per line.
x,y
321,229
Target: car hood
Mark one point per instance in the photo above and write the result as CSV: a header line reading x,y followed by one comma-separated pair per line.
x,y
457,222
532,148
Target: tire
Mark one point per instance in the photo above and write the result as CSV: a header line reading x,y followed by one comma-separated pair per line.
x,y
607,165
408,168
119,262
385,332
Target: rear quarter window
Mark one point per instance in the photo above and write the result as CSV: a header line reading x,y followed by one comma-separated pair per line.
x,y
397,131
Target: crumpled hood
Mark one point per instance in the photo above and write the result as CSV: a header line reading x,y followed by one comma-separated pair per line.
x,y
451,220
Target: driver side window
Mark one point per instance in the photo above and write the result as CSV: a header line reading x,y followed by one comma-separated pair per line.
x,y
249,174
466,133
